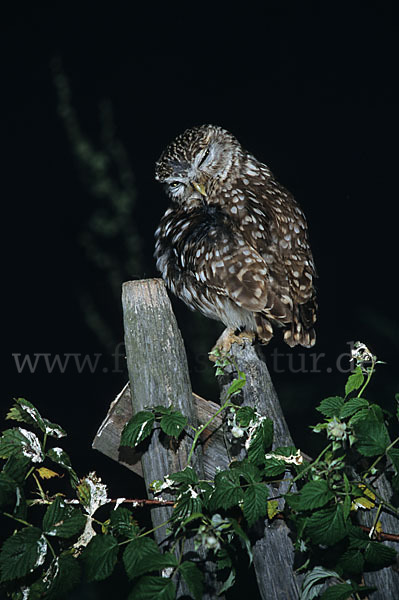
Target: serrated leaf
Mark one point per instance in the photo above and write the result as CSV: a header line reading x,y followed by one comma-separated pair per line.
x,y
327,526
393,454
17,467
21,553
372,437
173,423
255,502
63,520
315,494
272,509
21,442
24,411
245,415
351,562
352,406
339,591
227,490
187,475
62,576
122,522
237,384
357,537
355,381
151,586
331,407
136,555
8,489
311,585
247,470
379,556
260,440
188,502
45,473
138,428
100,556
60,457
193,578
274,467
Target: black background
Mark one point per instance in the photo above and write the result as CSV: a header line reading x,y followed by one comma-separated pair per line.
x,y
310,90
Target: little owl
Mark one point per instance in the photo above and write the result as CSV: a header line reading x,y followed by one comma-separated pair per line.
x,y
234,242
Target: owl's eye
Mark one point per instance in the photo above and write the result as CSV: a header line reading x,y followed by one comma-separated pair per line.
x,y
175,184
204,157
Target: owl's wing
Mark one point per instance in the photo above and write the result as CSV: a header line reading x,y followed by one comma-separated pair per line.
x,y
233,268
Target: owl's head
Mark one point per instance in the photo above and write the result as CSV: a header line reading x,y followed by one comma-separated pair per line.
x,y
197,162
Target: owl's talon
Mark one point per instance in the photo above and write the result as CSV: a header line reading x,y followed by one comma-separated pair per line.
x,y
227,339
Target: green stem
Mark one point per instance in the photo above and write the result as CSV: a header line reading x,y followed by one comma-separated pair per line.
x,y
203,427
17,519
369,375
310,465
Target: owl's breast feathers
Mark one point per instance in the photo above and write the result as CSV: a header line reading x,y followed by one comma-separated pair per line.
x,y
244,260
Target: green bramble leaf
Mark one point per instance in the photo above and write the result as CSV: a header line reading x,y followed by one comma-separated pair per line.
x,y
193,577
237,384
188,476
8,490
274,467
24,412
19,441
372,437
314,581
62,576
352,406
339,591
245,415
255,502
227,490
173,423
60,457
137,429
188,502
379,556
100,556
351,562
315,494
22,552
250,472
393,454
260,440
355,381
327,526
331,407
142,553
151,586
63,520
122,522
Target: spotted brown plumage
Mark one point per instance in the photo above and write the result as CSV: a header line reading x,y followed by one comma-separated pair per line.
x,y
234,243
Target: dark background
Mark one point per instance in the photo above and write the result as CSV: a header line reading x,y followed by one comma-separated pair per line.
x,y
309,90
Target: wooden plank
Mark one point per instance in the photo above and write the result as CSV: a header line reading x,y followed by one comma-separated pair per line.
x,y
107,439
272,547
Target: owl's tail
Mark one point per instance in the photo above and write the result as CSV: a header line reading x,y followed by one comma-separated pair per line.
x,y
300,330
297,324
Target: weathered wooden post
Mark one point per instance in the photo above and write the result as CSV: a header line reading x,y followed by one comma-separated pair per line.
x,y
158,374
272,547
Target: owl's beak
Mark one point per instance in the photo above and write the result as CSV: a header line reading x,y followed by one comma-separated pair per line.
x,y
199,187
